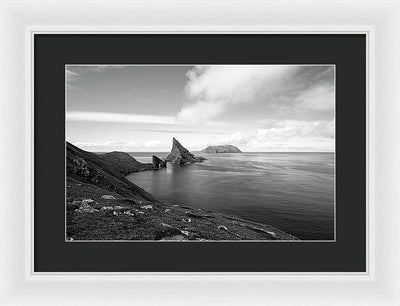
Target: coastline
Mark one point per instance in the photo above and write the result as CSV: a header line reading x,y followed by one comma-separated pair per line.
x,y
98,208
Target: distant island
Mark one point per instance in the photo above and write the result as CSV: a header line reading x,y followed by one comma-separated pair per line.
x,y
221,149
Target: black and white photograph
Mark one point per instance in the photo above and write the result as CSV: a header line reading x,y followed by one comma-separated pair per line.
x,y
200,153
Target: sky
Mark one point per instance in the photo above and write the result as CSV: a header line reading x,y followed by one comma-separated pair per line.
x,y
258,108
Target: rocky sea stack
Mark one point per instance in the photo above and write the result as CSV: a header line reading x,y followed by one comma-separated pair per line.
x,y
221,149
181,156
159,162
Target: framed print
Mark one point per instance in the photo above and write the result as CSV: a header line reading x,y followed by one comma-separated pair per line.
x,y
138,152
186,154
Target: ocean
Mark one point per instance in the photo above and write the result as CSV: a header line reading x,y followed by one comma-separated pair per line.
x,y
291,191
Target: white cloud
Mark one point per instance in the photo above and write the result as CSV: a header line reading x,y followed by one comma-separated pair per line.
x,y
213,88
129,146
285,91
284,135
317,98
283,129
201,112
117,117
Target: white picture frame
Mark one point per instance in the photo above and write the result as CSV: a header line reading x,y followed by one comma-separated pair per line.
x,y
379,20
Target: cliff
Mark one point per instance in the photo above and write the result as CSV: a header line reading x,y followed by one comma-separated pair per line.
x,y
90,168
124,163
221,149
180,155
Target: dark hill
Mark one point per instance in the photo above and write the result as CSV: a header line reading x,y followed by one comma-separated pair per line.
x,y
93,169
124,163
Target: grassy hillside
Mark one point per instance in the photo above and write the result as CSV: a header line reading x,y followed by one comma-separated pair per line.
x,y
91,168
124,163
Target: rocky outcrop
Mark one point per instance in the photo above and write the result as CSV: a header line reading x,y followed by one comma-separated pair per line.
x,y
158,162
221,149
181,156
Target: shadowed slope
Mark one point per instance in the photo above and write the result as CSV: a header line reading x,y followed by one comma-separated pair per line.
x,y
124,163
93,169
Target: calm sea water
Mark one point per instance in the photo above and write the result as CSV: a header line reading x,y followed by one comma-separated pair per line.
x,y
291,191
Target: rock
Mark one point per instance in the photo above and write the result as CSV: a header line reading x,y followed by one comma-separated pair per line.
x,y
82,206
165,225
146,207
181,156
187,220
167,210
158,162
81,166
272,234
107,208
222,227
195,216
174,238
108,197
86,209
185,233
221,149
87,201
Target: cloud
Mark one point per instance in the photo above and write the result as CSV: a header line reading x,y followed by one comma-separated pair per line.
x,y
212,89
129,146
287,129
185,131
284,91
118,118
285,135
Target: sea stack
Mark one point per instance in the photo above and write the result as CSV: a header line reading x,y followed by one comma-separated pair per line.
x,y
181,156
158,162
